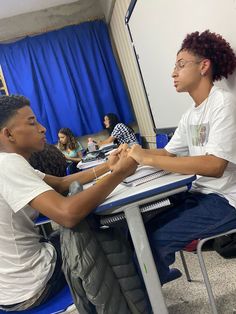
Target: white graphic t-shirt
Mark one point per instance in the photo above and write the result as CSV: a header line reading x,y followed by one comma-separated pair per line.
x,y
25,263
210,129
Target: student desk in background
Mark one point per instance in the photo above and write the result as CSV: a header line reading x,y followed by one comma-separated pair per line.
x,y
128,200
96,157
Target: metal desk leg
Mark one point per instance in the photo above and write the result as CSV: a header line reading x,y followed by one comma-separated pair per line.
x,y
145,259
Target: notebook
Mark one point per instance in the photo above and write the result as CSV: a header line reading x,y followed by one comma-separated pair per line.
x,y
150,209
108,147
89,164
144,174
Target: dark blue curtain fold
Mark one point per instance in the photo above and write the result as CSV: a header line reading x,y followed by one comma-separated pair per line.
x,y
70,76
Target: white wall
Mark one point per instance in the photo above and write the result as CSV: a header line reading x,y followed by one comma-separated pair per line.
x,y
127,60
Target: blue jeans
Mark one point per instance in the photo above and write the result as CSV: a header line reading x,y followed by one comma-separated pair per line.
x,y
193,216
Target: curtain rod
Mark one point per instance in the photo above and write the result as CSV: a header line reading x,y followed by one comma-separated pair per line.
x,y
49,29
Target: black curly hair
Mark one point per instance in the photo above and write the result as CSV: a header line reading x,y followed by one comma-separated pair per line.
x,y
50,161
9,105
214,47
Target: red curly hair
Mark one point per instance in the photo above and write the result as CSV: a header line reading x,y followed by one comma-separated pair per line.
x,y
213,47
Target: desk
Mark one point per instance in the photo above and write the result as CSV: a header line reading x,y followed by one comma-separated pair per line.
x,y
128,199
103,150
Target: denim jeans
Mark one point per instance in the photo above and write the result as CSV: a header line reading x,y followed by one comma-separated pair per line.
x,y
193,216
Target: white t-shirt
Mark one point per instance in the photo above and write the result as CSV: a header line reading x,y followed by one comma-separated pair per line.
x,y
25,264
210,128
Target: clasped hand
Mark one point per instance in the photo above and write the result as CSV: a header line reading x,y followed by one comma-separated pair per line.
x,y
120,161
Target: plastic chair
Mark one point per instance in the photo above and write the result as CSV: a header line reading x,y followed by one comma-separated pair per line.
x,y
203,267
161,140
44,223
59,303
71,168
139,139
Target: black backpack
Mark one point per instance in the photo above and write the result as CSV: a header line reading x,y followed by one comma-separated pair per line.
x,y
226,245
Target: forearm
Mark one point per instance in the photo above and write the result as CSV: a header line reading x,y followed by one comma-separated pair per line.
x,y
142,155
109,140
202,165
75,159
61,184
89,199
160,152
69,211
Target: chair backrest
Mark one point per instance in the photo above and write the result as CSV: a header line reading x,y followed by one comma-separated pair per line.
x,y
71,168
139,139
58,304
161,140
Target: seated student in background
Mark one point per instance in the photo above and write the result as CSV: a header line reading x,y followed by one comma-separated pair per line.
x,y
119,132
50,161
69,145
30,269
206,137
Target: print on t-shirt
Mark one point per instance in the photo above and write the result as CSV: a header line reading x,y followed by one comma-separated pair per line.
x,y
199,134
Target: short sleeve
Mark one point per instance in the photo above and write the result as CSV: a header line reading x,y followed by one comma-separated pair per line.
x,y
223,132
80,147
178,144
117,131
40,174
20,183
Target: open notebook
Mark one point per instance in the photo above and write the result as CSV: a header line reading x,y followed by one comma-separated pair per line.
x,y
144,174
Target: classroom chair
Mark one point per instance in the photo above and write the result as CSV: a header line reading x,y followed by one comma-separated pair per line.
x,y
44,224
71,168
139,139
58,304
203,267
161,140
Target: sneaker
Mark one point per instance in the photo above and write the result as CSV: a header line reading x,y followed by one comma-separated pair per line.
x,y
173,274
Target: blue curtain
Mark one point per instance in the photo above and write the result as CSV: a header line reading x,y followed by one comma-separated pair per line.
x,y
70,77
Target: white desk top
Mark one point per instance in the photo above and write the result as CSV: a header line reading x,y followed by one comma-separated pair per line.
x,y
123,195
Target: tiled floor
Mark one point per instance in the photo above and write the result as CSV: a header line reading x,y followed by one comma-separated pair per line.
x,y
183,297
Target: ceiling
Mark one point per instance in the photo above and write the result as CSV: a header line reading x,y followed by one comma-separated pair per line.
x,y
19,18
16,7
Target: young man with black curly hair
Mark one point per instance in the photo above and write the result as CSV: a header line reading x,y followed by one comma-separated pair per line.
x,y
203,144
30,269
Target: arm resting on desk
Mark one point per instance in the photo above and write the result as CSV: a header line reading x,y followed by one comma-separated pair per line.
x,y
69,211
61,184
205,165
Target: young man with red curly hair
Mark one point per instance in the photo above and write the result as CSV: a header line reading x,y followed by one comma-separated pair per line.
x,y
203,144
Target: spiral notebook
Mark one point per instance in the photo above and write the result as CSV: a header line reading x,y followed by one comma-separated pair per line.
x,y
150,210
144,174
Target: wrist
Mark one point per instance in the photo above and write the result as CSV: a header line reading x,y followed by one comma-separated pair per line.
x,y
119,174
107,166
